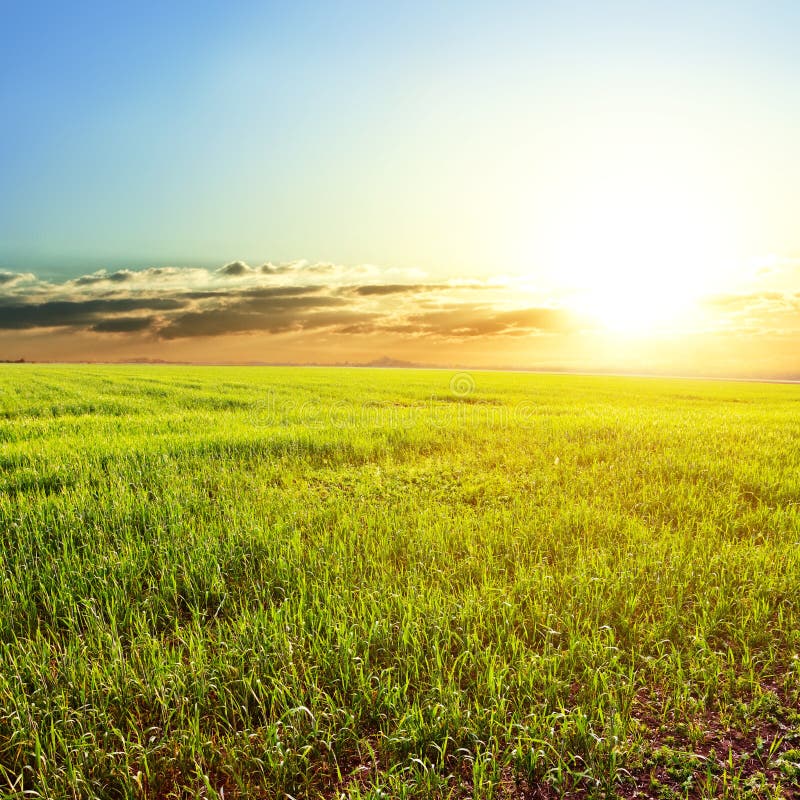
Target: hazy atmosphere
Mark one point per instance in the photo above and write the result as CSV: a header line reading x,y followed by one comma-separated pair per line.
x,y
582,186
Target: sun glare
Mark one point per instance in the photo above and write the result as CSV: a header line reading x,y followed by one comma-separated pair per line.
x,y
637,256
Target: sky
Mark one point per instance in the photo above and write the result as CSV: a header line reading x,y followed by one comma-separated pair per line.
x,y
577,185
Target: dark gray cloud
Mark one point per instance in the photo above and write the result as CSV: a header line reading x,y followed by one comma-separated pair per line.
x,y
123,325
236,269
16,315
224,321
255,311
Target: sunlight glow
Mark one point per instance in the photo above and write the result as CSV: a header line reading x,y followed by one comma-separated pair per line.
x,y
637,252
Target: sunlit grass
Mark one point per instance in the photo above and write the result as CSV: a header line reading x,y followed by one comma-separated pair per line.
x,y
270,582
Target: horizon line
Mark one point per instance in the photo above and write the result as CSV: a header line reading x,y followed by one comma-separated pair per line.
x,y
610,373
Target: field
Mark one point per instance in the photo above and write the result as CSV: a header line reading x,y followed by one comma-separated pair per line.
x,y
269,582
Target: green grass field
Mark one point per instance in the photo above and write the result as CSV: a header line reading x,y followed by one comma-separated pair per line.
x,y
268,582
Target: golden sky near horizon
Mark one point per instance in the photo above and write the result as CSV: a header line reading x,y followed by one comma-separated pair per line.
x,y
303,312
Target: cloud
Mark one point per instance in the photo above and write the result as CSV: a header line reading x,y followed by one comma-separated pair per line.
x,y
258,310
123,325
15,315
746,300
171,303
391,288
223,321
121,276
236,269
8,279
255,292
296,267
756,313
475,320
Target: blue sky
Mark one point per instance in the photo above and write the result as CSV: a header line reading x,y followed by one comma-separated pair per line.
x,y
408,134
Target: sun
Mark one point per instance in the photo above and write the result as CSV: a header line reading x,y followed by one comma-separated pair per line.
x,y
637,253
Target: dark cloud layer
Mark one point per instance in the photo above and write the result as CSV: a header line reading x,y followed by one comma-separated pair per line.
x,y
171,303
254,311
224,321
123,325
16,315
392,288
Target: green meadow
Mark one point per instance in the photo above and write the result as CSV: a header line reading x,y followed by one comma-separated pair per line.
x,y
325,583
